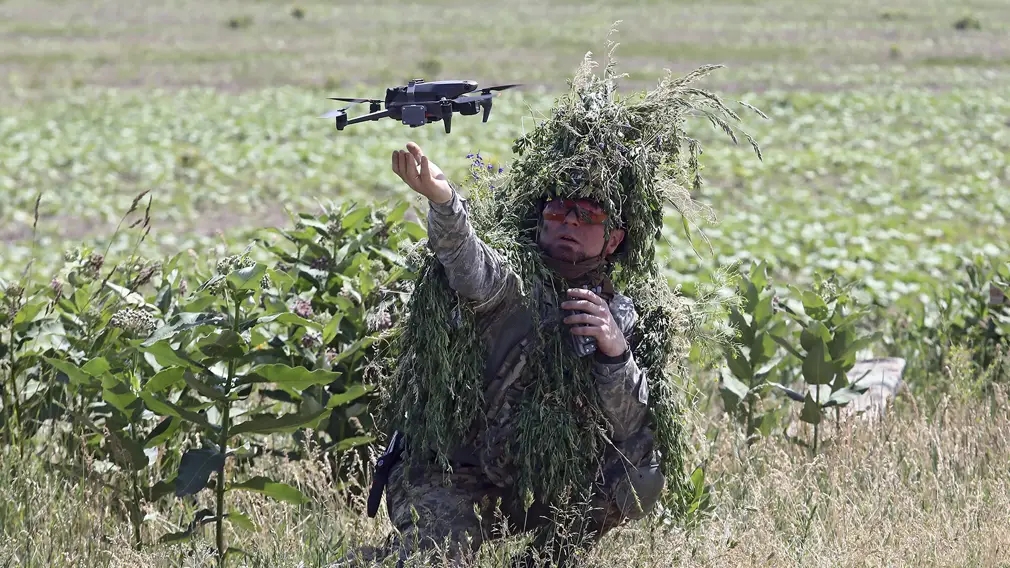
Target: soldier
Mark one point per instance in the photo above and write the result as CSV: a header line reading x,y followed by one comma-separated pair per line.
x,y
528,393
573,239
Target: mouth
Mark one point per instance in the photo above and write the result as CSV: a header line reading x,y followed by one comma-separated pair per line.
x,y
569,239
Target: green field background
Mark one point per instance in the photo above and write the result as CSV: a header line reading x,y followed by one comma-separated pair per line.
x,y
885,149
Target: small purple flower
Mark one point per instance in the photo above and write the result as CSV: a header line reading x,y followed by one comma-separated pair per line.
x,y
303,308
311,340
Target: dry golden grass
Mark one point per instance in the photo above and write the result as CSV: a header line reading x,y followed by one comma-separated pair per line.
x,y
919,488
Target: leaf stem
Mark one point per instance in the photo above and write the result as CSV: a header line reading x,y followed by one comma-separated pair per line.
x,y
223,442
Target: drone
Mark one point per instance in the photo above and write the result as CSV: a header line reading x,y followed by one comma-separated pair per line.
x,y
419,103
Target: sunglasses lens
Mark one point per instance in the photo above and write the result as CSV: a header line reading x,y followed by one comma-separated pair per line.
x,y
558,210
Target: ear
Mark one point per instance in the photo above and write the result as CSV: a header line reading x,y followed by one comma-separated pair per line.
x,y
616,237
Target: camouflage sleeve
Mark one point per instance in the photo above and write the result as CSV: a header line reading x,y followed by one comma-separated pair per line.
x,y
622,385
473,268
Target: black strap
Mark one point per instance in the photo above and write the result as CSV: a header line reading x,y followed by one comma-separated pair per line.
x,y
383,466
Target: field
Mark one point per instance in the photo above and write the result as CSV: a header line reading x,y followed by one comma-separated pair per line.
x,y
885,162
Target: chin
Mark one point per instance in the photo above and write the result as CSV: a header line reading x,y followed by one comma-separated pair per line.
x,y
567,254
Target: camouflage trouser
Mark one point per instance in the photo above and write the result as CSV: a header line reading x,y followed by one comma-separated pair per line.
x,y
458,511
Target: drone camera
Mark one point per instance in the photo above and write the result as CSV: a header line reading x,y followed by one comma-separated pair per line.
x,y
413,115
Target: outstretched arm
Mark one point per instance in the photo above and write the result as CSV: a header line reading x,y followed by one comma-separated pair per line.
x,y
474,270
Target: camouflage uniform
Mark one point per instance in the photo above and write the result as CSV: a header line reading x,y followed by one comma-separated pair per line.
x,y
482,472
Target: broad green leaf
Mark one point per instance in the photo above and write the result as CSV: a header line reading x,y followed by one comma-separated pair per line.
x,y
30,310
195,469
354,219
842,397
814,306
415,230
352,442
742,323
332,328
351,394
163,431
811,413
752,295
247,278
118,393
817,368
163,352
738,365
96,367
227,345
813,332
273,489
240,520
129,453
763,311
397,213
163,379
762,350
290,319
297,378
200,385
72,371
788,346
738,388
165,408
759,275
267,423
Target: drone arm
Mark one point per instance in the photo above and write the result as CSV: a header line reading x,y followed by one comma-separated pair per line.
x,y
473,269
366,117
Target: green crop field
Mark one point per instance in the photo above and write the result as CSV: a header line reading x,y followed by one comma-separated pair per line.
x,y
167,136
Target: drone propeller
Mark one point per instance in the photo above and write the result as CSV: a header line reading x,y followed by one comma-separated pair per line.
x,y
374,105
487,90
354,101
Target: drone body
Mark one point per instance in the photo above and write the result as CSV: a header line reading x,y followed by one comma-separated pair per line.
x,y
419,103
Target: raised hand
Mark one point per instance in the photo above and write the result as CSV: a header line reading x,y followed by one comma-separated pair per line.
x,y
422,176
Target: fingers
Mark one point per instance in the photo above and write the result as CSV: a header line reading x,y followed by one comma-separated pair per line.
x,y
405,167
585,306
425,170
415,151
590,330
405,162
587,295
587,319
398,168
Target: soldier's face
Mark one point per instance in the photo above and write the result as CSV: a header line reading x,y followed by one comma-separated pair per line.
x,y
573,230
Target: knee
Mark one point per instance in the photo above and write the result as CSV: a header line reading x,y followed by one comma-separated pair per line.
x,y
637,478
638,491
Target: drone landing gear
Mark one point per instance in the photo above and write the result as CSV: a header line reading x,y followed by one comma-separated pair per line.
x,y
447,114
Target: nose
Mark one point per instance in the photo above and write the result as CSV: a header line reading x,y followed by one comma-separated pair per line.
x,y
572,214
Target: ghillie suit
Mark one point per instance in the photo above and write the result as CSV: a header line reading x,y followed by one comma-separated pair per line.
x,y
487,388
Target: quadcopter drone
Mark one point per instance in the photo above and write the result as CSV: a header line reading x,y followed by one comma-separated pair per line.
x,y
419,103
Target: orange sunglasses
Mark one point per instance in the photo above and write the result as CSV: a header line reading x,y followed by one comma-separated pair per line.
x,y
558,210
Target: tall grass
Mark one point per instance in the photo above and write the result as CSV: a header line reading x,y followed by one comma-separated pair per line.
x,y
919,487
